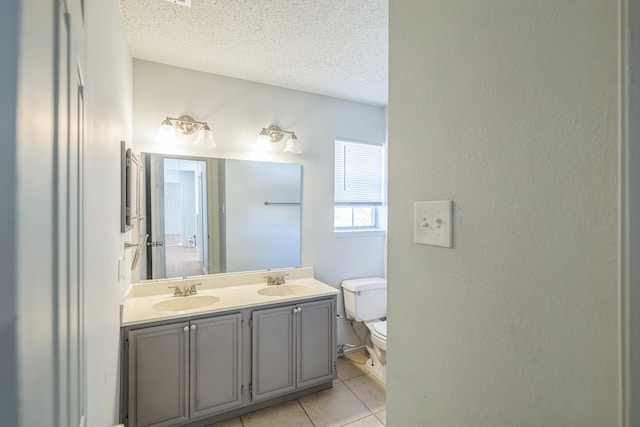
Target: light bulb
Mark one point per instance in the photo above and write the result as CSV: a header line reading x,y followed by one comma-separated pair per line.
x,y
293,146
263,142
166,134
205,137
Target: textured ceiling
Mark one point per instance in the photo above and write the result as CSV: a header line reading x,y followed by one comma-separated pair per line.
x,y
330,47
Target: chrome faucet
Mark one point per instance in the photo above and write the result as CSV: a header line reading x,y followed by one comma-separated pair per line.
x,y
276,280
186,291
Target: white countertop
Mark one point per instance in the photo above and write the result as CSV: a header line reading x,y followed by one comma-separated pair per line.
x,y
235,291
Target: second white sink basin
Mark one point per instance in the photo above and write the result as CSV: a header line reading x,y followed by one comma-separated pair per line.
x,y
282,290
185,303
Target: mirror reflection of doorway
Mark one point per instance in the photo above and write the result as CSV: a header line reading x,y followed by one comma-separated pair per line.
x,y
185,219
247,215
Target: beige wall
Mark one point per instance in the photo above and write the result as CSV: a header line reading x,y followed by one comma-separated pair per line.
x,y
510,109
108,97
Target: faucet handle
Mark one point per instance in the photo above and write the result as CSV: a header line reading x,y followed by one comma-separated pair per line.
x,y
177,291
270,280
281,278
192,289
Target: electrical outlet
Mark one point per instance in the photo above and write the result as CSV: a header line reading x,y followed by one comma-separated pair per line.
x,y
433,223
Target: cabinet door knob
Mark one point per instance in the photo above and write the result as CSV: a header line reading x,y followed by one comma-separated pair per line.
x,y
193,327
186,329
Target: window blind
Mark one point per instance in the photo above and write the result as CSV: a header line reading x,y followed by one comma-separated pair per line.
x,y
358,173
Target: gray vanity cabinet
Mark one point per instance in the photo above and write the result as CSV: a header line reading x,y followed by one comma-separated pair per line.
x,y
316,343
184,371
159,375
273,362
193,372
293,348
215,364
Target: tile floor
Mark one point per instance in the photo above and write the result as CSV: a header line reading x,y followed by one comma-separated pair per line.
x,y
356,400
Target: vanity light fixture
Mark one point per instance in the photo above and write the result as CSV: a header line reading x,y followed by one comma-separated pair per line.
x,y
187,125
272,135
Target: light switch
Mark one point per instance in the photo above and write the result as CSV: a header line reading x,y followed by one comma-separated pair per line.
x,y
433,223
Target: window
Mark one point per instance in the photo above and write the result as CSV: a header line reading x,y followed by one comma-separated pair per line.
x,y
358,186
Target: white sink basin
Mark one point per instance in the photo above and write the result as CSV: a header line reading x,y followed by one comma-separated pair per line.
x,y
185,303
282,290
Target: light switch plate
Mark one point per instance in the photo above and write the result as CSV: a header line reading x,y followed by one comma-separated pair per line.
x,y
432,223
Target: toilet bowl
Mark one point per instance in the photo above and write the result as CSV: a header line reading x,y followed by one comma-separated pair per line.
x,y
377,362
378,334
365,300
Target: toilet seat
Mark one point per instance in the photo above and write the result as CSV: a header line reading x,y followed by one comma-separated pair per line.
x,y
378,333
380,329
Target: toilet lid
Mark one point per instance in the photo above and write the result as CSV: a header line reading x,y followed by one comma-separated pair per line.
x,y
380,328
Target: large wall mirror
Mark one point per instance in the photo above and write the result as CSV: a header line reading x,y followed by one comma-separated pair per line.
x,y
208,216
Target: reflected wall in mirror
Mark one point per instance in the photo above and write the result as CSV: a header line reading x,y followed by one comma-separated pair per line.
x,y
208,216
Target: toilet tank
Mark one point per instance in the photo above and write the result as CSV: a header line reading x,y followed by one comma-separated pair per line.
x,y
365,299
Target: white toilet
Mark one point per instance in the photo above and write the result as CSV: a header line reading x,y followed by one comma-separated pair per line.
x,y
365,300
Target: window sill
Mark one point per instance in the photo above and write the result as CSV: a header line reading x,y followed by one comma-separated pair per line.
x,y
358,233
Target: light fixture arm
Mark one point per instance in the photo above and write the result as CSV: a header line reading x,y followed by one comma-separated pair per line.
x,y
275,133
187,125
269,137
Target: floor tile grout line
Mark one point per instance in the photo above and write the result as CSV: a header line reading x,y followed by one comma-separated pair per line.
x,y
370,413
365,405
358,419
357,397
384,423
361,401
305,412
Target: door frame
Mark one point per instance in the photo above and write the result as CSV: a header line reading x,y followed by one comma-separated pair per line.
x,y
629,212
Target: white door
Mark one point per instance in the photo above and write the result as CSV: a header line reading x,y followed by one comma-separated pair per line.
x,y
178,224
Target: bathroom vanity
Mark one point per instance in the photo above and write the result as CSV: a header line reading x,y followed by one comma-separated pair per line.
x,y
236,346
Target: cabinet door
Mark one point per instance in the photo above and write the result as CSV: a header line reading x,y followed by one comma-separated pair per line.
x,y
316,343
215,364
272,352
158,375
